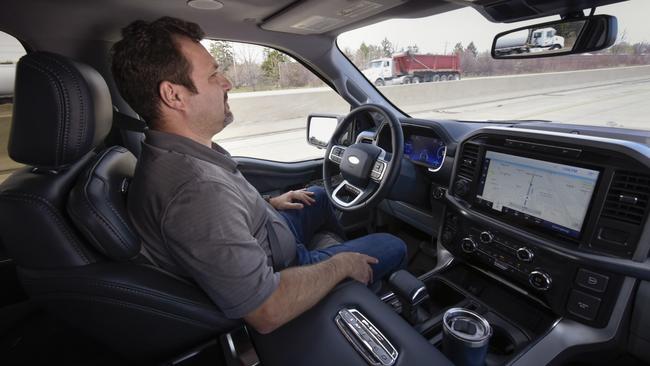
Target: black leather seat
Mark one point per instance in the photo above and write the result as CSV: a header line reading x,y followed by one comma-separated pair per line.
x,y
63,220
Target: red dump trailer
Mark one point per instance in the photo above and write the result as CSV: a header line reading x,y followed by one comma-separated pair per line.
x,y
427,67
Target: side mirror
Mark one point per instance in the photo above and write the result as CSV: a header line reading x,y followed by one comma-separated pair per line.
x,y
320,128
563,37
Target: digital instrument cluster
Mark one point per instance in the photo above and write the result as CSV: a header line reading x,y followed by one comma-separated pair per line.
x,y
425,150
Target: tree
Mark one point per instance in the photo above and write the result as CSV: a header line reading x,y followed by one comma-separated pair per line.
x,y
413,49
365,53
458,49
270,65
471,48
642,48
622,48
223,53
387,47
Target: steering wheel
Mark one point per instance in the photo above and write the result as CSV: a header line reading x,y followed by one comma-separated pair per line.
x,y
368,171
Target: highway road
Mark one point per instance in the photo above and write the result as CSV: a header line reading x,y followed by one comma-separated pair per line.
x,y
624,103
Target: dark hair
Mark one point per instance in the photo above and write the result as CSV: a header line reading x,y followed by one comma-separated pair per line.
x,y
148,55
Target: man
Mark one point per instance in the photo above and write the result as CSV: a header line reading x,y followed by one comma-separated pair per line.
x,y
197,214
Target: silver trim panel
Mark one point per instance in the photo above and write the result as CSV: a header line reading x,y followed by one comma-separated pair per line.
x,y
366,338
346,184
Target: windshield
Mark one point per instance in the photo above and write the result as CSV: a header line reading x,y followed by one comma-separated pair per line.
x,y
442,69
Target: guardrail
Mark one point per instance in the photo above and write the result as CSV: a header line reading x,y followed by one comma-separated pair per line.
x,y
7,73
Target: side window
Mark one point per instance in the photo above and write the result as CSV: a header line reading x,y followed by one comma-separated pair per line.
x,y
271,97
10,51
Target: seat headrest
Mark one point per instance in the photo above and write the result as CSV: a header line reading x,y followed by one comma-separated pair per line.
x,y
97,204
62,110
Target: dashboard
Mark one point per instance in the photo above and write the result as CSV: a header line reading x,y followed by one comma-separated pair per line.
x,y
558,211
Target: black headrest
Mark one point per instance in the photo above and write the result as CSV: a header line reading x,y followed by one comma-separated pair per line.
x,y
97,204
62,110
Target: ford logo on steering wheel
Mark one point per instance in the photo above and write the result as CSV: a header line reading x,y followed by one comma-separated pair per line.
x,y
353,160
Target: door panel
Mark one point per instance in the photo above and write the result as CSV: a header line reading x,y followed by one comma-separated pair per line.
x,y
271,176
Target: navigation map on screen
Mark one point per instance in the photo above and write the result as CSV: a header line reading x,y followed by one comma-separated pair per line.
x,y
552,195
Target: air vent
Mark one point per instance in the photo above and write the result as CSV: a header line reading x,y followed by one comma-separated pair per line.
x,y
627,198
468,161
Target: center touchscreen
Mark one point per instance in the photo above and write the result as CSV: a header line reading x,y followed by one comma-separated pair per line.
x,y
550,195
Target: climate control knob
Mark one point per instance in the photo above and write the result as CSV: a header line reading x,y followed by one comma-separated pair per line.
x,y
540,280
524,254
468,245
486,237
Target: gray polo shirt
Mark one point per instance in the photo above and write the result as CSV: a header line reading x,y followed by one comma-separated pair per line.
x,y
199,217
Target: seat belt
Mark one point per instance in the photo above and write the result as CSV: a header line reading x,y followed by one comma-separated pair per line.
x,y
126,122
276,249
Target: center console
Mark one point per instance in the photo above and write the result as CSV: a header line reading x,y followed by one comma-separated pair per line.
x,y
550,215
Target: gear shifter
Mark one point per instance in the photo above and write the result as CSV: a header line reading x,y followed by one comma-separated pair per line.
x,y
411,292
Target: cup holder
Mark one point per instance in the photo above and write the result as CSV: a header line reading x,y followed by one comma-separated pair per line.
x,y
442,296
501,343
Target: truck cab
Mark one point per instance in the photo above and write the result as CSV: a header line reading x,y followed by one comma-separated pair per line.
x,y
379,71
546,37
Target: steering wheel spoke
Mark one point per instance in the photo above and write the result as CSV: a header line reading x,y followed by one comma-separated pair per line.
x,y
336,154
355,193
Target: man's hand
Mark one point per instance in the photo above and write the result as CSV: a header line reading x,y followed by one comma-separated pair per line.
x,y
302,287
286,201
356,265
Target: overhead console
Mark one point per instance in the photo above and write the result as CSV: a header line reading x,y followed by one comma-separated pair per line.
x,y
556,214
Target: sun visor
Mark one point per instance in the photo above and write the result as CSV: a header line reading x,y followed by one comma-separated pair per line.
x,y
318,16
508,11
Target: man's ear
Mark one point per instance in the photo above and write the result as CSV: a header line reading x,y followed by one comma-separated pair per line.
x,y
171,95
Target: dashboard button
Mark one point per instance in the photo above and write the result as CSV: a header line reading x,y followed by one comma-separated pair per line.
x,y
583,305
468,245
486,237
591,280
540,280
525,254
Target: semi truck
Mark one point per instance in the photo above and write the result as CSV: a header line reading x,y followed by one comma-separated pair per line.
x,y
407,68
529,41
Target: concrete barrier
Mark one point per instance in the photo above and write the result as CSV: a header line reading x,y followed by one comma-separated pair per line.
x,y
7,74
298,103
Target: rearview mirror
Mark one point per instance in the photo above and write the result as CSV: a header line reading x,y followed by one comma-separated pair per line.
x,y
320,129
564,37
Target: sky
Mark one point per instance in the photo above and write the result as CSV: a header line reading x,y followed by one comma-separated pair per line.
x,y
441,32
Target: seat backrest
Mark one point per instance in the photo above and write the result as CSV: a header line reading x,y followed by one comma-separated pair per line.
x,y
62,111
63,219
97,205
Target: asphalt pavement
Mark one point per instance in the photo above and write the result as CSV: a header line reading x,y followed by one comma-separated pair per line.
x,y
623,103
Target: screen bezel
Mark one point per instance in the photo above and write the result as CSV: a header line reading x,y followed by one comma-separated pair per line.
x,y
527,224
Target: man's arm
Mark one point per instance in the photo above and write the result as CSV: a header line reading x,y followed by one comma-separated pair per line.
x,y
301,288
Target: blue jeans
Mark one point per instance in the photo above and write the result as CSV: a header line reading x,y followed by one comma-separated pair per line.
x,y
304,223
